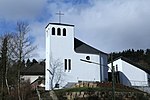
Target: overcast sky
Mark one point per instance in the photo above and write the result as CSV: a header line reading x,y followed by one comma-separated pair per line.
x,y
108,25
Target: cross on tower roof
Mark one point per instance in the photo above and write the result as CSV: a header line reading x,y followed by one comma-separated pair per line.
x,y
59,15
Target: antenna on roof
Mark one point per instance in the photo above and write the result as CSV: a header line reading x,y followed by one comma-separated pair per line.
x,y
59,16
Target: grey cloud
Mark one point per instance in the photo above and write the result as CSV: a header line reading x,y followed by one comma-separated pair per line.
x,y
20,9
109,25
114,25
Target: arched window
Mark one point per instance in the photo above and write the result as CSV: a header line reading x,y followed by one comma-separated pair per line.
x,y
64,32
58,31
53,31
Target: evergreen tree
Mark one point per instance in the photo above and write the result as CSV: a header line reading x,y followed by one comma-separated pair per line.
x,y
28,63
34,61
4,66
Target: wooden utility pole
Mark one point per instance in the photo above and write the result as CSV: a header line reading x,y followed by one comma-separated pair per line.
x,y
113,78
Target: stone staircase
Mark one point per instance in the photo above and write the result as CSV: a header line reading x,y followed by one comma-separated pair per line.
x,y
43,95
143,88
69,85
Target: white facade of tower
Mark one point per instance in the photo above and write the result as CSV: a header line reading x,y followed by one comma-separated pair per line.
x,y
61,46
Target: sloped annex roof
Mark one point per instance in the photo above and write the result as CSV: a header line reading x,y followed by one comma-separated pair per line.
x,y
81,47
134,64
35,69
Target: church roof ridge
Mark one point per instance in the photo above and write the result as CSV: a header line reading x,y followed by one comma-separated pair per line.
x,y
85,48
59,24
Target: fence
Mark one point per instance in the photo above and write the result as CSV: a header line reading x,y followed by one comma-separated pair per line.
x,y
139,83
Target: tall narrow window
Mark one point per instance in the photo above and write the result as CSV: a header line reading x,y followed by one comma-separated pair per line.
x,y
65,63
116,68
69,63
53,31
64,32
58,31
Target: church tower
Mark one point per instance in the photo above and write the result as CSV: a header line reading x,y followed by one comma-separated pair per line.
x,y
59,45
80,61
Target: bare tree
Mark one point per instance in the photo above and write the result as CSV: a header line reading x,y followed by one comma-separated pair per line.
x,y
22,47
56,72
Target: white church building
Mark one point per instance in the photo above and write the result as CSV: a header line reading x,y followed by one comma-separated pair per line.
x,y
81,62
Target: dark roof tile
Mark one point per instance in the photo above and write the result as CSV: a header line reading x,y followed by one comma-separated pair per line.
x,y
35,69
81,47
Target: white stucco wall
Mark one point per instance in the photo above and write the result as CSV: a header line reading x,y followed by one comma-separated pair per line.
x,y
84,71
62,47
115,64
136,76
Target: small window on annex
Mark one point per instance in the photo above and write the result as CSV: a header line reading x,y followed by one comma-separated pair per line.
x,y
53,31
64,32
58,31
